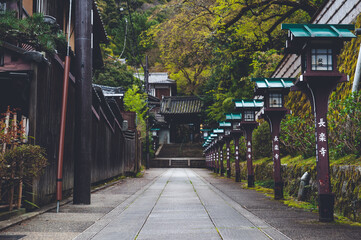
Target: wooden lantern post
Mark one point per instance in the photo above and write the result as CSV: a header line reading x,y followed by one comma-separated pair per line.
x,y
248,109
319,45
219,149
227,126
273,91
213,137
215,149
207,151
236,133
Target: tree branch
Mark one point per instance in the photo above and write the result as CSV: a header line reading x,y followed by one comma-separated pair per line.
x,y
297,5
281,19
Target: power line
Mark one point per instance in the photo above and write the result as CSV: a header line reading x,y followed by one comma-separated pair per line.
x,y
125,37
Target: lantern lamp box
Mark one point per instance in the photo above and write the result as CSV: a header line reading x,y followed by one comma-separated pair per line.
x,y
318,45
248,108
235,119
273,90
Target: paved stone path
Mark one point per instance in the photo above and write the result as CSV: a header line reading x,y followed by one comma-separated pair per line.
x,y
74,219
180,205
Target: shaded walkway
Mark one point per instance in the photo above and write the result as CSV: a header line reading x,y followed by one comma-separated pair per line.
x,y
180,205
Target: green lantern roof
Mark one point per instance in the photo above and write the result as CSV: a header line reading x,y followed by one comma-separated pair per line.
x,y
249,103
225,124
320,30
301,34
206,130
270,83
233,116
218,130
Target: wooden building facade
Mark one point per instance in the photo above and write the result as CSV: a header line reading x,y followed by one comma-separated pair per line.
x,y
32,83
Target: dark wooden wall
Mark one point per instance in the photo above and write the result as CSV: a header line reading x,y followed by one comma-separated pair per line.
x,y
114,152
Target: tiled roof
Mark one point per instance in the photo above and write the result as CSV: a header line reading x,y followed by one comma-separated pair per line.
x,y
181,105
268,83
249,103
101,32
110,91
157,77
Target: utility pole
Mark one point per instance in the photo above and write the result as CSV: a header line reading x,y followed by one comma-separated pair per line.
x,y
83,93
146,78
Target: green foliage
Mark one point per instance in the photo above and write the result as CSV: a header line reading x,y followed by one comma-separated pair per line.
x,y
222,103
345,178
24,161
264,63
344,122
33,31
115,74
125,29
135,101
298,136
262,144
183,46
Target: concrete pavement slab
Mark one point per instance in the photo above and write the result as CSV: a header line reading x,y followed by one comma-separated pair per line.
x,y
295,223
74,219
179,204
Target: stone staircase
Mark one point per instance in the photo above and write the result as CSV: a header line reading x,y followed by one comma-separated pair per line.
x,y
180,155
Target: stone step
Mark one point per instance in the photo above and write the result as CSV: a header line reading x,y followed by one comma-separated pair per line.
x,y
181,150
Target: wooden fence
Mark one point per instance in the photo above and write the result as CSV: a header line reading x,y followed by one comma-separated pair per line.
x,y
114,151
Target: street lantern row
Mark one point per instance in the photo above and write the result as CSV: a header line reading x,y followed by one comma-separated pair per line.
x,y
318,45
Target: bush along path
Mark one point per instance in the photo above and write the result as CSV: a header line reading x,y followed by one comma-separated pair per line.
x,y
345,175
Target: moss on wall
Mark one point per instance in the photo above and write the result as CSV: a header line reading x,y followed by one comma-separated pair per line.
x,y
345,180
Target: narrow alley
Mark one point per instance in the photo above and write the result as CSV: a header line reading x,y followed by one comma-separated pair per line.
x,y
178,203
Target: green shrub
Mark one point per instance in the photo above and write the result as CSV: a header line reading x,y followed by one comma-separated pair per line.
x,y
33,31
298,136
262,144
24,161
344,122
